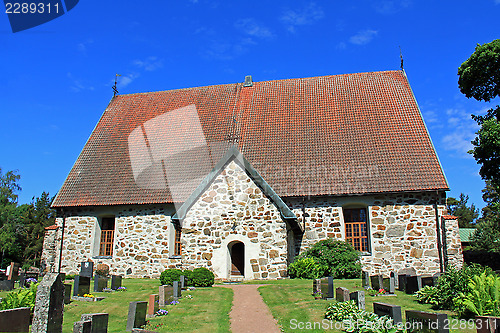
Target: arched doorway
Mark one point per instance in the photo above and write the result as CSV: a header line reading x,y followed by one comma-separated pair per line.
x,y
237,251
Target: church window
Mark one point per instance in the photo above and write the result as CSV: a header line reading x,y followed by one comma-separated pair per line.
x,y
356,228
107,236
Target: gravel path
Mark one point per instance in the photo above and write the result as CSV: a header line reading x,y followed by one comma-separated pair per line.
x,y
249,313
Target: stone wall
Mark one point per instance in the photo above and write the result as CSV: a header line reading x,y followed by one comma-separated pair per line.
x,y
234,209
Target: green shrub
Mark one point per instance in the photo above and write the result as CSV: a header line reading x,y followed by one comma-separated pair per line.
x,y
341,310
169,276
340,258
482,299
306,268
20,298
202,277
451,284
188,276
428,295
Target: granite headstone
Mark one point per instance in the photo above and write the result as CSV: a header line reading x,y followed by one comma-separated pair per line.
x,y
136,315
327,287
81,285
87,269
116,281
392,311
49,304
342,294
419,321
359,298
15,320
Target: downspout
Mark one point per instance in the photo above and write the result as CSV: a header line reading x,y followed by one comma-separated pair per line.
x,y
438,237
62,239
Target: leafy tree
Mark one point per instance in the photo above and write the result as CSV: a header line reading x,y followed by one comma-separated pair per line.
x,y
466,214
479,78
487,235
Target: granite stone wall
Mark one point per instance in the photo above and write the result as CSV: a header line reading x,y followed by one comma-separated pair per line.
x,y
234,209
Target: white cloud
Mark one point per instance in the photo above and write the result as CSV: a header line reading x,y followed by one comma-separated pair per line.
x,y
388,7
497,2
149,64
83,46
305,16
461,131
126,79
78,85
251,27
227,50
363,37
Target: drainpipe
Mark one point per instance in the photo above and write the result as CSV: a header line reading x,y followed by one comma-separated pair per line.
x,y
62,239
438,237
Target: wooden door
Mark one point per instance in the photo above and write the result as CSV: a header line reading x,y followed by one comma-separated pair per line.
x,y
238,259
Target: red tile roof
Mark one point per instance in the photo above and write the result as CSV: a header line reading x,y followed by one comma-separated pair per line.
x,y
331,135
52,227
449,217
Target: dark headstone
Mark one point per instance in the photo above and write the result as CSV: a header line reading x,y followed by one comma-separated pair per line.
x,y
153,304
427,281
100,282
402,282
82,327
177,290
359,298
342,294
22,280
182,280
13,271
413,284
116,281
376,282
436,277
6,285
316,287
87,269
81,285
388,285
140,330
419,321
166,294
67,293
327,287
99,321
48,316
365,279
136,315
392,311
15,320
485,324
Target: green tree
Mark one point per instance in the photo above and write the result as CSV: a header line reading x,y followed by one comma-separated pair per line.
x,y
459,208
487,235
479,78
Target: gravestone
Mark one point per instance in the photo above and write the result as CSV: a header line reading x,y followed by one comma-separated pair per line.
x,y
87,269
413,284
6,285
22,280
436,277
116,281
182,280
81,285
177,290
359,298
487,324
376,282
419,321
388,285
327,287
365,279
136,315
67,293
394,276
316,287
48,316
402,282
15,320
166,294
392,311
82,327
25,279
427,281
153,304
342,294
100,282
99,321
13,271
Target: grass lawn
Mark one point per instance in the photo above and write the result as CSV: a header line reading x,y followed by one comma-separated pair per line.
x,y
290,301
207,311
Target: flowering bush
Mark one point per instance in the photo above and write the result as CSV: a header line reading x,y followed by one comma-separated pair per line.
x,y
121,289
174,302
89,295
189,296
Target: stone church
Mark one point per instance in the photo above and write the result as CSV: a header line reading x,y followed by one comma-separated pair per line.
x,y
241,178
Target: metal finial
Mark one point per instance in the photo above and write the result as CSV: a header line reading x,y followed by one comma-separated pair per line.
x,y
115,90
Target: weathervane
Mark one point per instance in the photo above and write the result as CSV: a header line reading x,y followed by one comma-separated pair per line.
x,y
115,90
401,56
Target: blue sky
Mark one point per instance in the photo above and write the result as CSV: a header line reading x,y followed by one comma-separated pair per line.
x,y
56,79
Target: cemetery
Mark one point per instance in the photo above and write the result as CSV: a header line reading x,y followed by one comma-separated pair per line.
x,y
173,303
